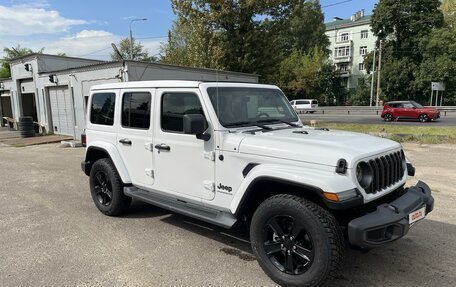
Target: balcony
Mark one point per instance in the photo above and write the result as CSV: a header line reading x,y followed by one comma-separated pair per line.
x,y
342,59
344,73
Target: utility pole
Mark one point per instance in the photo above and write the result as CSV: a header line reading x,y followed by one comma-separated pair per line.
x,y
372,80
131,35
379,90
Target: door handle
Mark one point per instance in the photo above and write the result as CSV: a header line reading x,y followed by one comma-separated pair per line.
x,y
163,147
125,141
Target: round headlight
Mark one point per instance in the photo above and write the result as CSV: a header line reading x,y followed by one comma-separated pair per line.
x,y
364,174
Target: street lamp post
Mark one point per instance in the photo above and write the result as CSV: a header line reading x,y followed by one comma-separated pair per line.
x,y
131,35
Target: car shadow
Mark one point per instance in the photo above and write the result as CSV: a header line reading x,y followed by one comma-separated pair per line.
x,y
419,257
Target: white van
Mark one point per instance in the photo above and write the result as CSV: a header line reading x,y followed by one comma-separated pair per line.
x,y
307,105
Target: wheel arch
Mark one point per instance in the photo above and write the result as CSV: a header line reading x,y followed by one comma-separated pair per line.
x,y
264,187
96,152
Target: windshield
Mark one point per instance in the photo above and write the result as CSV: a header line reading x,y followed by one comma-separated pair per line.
x,y
416,105
244,106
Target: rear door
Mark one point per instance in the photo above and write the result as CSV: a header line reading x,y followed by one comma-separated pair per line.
x,y
134,134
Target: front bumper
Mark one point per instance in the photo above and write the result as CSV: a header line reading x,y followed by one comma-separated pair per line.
x,y
390,221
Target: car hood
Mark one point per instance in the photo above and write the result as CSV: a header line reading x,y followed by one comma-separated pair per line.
x,y
315,145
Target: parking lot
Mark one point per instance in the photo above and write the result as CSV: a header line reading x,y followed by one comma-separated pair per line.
x,y
51,234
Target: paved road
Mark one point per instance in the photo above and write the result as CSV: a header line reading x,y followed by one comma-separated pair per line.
x,y
449,120
51,234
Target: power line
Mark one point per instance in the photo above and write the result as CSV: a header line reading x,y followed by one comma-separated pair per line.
x,y
337,3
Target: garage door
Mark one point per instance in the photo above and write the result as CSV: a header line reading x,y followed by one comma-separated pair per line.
x,y
61,110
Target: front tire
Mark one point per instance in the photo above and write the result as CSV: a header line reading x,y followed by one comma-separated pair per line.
x,y
296,242
423,118
106,188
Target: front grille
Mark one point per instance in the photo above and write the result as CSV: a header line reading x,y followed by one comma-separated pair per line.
x,y
387,170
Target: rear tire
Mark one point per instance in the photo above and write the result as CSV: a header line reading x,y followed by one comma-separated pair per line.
x,y
106,188
296,242
388,117
423,118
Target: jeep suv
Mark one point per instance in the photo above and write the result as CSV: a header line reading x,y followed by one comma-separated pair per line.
x,y
228,153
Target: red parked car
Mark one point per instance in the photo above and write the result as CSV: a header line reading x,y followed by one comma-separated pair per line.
x,y
408,110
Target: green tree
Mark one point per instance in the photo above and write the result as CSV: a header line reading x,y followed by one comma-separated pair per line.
x,y
12,53
192,43
449,12
139,52
439,63
401,26
361,95
304,28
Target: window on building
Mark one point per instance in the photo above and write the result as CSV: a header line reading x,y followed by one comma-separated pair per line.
x,y
136,110
173,108
342,51
102,109
344,67
363,50
361,66
343,37
364,34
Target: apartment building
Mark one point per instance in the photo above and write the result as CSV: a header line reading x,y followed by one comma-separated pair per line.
x,y
350,40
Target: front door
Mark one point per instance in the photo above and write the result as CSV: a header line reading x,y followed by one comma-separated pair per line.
x,y
184,164
134,135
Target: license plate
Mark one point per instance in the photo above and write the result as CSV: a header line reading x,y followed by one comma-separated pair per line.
x,y
417,215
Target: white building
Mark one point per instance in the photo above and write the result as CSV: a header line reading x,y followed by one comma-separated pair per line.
x,y
54,89
350,40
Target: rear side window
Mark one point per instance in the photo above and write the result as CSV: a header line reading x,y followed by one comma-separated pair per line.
x,y
302,102
175,106
102,109
136,110
315,102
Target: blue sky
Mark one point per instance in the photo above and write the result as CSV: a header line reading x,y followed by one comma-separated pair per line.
x,y
87,28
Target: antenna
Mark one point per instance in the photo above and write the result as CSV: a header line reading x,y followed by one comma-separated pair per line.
x,y
114,47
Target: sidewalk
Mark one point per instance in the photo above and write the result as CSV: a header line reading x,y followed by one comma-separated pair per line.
x,y
14,138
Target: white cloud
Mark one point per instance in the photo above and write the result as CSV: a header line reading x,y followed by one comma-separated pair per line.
x,y
32,18
93,44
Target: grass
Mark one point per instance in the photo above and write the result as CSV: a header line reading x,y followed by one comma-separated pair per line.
x,y
418,134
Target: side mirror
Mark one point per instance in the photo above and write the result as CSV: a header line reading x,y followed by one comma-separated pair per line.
x,y
195,124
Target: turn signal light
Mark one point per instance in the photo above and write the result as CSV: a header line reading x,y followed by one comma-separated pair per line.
x,y
331,196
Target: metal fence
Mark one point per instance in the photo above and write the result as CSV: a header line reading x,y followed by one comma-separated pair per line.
x,y
363,110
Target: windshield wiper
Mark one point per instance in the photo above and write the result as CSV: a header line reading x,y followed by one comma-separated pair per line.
x,y
243,124
278,120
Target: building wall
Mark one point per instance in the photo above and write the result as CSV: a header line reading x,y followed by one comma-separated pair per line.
x,y
355,42
79,79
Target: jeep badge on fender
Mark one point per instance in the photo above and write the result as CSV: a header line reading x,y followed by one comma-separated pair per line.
x,y
303,190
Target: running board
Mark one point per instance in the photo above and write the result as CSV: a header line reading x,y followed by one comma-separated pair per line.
x,y
220,218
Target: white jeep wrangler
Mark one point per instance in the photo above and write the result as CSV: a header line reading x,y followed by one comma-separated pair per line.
x,y
231,152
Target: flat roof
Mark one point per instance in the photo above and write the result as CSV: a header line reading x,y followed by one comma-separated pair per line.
x,y
151,64
35,55
345,23
172,84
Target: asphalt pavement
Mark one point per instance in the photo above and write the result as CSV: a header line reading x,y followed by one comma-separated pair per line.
x,y
51,234
444,121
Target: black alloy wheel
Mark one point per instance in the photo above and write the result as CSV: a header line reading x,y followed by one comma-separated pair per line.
x,y
296,242
288,245
388,117
106,188
103,188
423,118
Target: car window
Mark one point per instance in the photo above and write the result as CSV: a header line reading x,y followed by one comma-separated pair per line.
x,y
408,105
302,102
416,105
102,109
136,110
315,102
173,108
